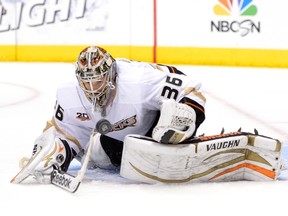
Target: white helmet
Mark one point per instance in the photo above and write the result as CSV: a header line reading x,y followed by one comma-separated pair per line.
x,y
96,67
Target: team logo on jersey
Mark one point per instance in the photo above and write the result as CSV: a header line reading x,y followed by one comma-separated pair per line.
x,y
82,116
129,122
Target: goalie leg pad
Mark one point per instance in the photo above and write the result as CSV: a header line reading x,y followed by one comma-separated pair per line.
x,y
226,157
48,151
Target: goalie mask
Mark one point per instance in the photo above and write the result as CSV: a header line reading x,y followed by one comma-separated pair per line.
x,y
96,72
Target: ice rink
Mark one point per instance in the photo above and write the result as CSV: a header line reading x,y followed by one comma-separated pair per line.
x,y
236,97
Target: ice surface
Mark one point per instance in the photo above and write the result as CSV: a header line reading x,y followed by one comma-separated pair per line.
x,y
236,97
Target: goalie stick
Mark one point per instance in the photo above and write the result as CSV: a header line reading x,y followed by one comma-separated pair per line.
x,y
72,183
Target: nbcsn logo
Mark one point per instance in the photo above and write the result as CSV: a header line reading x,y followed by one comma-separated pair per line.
x,y
235,13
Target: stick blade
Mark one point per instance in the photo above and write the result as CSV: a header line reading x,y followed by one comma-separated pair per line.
x,y
65,181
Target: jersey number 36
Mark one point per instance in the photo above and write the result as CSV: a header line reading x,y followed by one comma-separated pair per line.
x,y
171,89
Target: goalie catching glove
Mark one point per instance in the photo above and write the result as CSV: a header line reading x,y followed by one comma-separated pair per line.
x,y
176,122
49,152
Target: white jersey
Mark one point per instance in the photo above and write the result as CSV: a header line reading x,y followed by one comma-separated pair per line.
x,y
140,87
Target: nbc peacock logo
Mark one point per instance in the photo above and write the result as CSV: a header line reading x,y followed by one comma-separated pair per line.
x,y
241,7
236,13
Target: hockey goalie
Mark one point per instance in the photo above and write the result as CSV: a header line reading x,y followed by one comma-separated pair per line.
x,y
142,120
230,156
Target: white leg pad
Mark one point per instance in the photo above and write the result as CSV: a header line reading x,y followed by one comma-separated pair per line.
x,y
226,157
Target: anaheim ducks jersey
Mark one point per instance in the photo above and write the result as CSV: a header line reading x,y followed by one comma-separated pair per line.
x,y
140,87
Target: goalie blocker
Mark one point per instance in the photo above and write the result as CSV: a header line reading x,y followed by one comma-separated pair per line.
x,y
225,157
